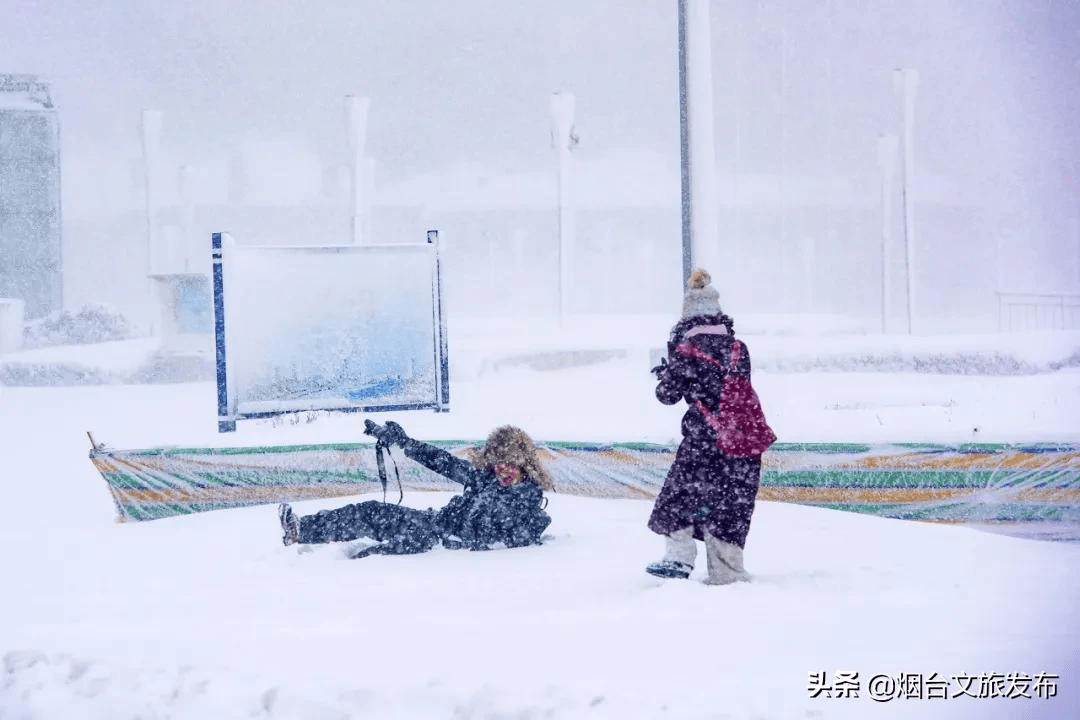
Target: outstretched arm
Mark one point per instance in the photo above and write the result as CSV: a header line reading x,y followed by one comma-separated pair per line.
x,y
431,457
438,460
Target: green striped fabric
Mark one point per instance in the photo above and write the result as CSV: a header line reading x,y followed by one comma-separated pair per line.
x,y
963,483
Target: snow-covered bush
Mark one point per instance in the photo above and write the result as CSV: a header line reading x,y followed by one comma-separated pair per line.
x,y
88,324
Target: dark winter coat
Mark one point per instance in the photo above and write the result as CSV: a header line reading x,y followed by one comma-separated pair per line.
x,y
487,512
705,488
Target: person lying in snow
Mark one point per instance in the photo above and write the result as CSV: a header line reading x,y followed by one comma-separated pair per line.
x,y
710,491
502,501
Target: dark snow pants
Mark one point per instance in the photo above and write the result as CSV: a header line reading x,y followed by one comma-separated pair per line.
x,y
402,530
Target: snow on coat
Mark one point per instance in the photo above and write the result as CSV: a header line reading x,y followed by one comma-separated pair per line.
x,y
488,511
499,504
705,488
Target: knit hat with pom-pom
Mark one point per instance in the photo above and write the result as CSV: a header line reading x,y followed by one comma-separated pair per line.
x,y
700,297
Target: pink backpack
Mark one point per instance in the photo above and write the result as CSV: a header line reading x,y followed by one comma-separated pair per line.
x,y
739,422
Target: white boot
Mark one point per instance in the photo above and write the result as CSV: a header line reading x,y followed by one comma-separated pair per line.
x,y
725,562
680,552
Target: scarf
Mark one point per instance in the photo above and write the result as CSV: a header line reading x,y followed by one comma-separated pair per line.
x,y
508,474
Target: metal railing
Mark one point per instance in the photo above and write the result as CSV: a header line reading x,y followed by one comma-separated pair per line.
x,y
1022,312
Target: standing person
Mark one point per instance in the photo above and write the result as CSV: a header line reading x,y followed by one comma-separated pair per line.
x,y
502,501
710,491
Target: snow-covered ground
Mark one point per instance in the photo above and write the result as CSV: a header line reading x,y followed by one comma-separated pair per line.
x,y
208,616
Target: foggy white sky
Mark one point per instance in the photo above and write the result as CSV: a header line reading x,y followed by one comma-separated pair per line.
x,y
470,79
447,84
802,87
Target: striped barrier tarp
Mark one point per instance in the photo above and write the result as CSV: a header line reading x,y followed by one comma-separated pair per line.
x,y
977,483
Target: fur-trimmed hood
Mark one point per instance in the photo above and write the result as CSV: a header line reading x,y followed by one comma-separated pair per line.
x,y
510,445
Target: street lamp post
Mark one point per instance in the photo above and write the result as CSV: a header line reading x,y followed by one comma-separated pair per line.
x,y
562,115
697,145
905,83
151,144
887,145
356,117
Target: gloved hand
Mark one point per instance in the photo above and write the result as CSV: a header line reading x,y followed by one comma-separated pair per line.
x,y
394,434
659,369
389,434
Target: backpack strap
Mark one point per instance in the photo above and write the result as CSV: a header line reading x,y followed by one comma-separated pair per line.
x,y
713,420
759,436
694,351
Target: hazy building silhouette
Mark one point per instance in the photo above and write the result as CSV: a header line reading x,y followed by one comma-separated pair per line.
x,y
30,238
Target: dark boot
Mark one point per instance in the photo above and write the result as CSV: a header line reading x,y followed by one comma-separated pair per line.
x,y
290,525
669,569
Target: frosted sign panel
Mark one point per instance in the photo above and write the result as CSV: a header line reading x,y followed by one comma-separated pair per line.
x,y
329,328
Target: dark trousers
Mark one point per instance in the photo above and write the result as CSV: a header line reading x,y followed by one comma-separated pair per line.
x,y
402,530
